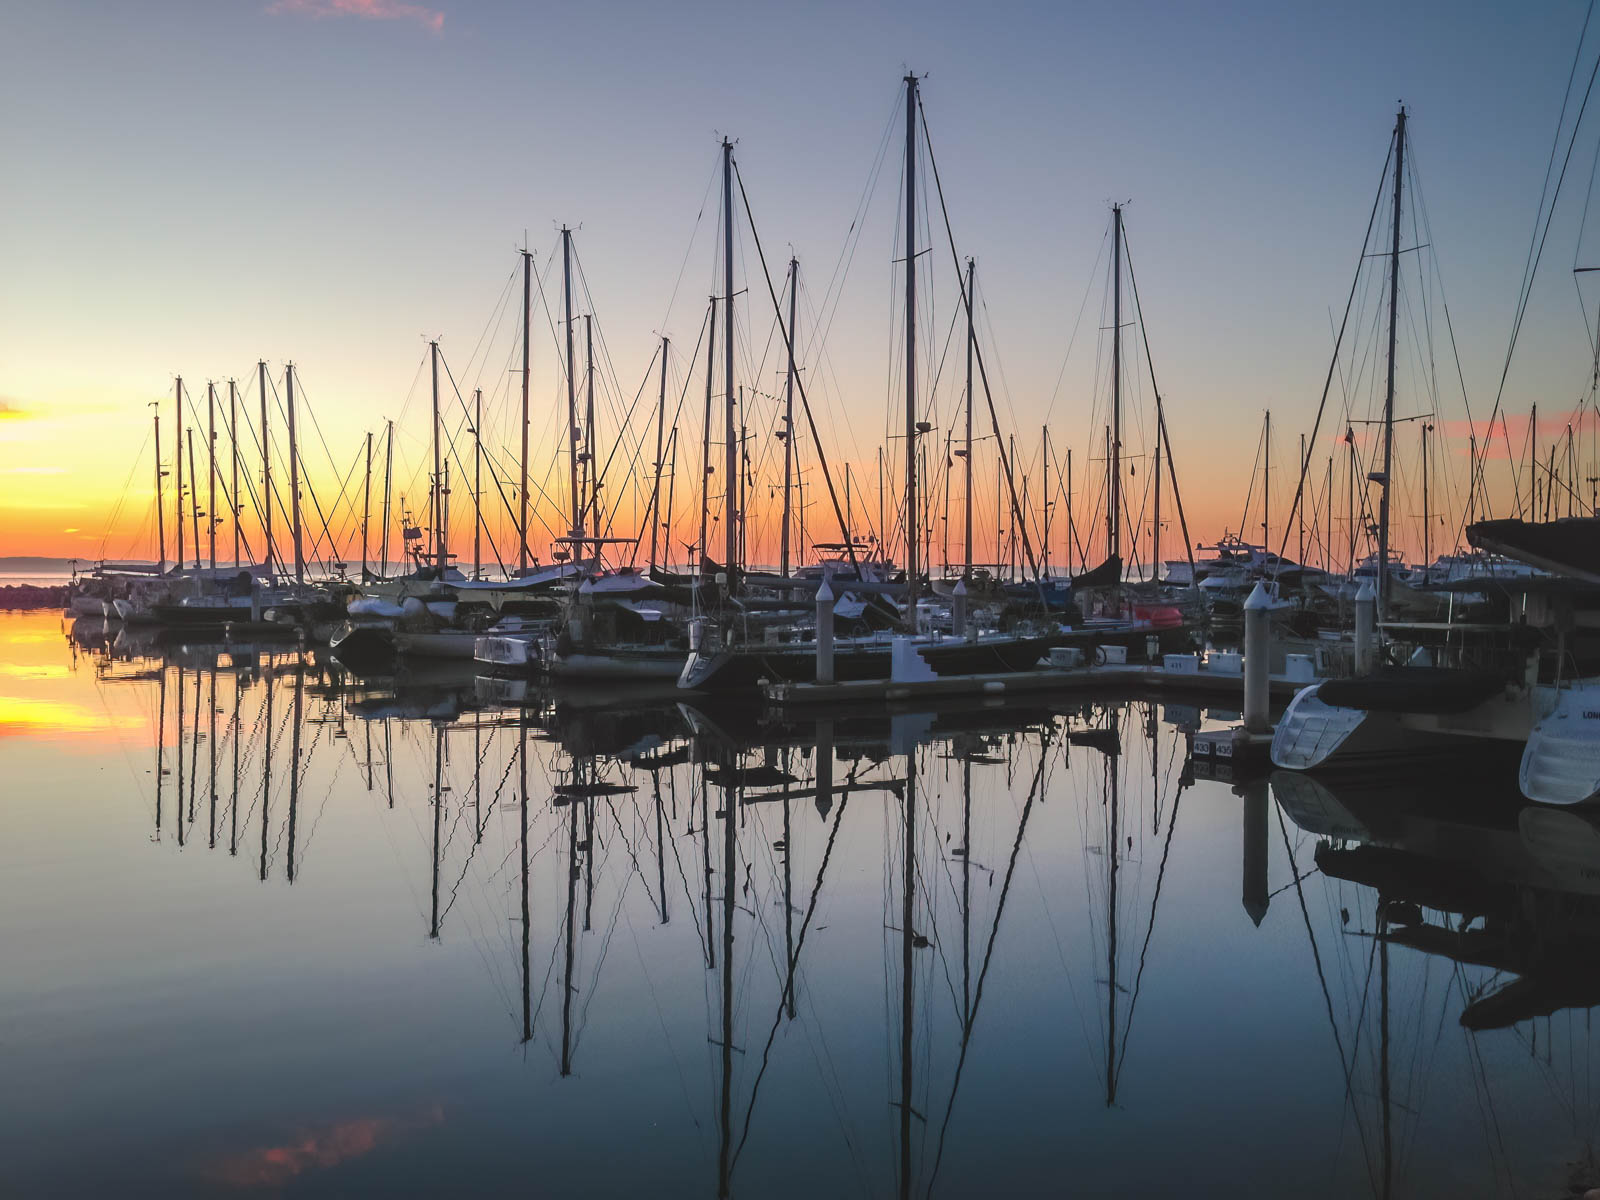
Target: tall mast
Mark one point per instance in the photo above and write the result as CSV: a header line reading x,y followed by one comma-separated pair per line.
x,y
788,426
744,482
661,421
1427,541
1350,497
1266,481
1533,464
1070,532
440,552
477,484
300,556
161,518
177,462
883,472
194,502
522,487
911,352
388,480
1111,487
1155,525
1327,533
366,506
211,481
705,438
1045,510
1114,498
235,505
572,392
730,482
294,475
1388,395
266,466
591,501
966,466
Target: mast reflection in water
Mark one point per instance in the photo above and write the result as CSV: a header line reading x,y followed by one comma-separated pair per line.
x,y
586,943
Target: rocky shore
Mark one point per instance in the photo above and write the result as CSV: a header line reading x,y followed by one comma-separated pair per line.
x,y
17,596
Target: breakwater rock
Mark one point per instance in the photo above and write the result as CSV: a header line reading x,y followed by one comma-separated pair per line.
x,y
17,596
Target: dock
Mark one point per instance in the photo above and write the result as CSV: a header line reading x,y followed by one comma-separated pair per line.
x,y
1216,685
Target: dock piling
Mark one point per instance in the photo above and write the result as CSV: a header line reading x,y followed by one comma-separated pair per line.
x,y
825,632
1366,627
1257,660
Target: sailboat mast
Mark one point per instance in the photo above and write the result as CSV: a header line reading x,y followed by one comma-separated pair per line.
x,y
266,465
661,420
388,481
439,550
194,501
1111,487
1350,497
522,486
1155,525
966,466
591,500
233,445
731,430
1071,534
788,428
366,506
1114,467
294,475
705,438
211,480
1533,463
177,462
1388,395
1327,533
477,484
1045,454
572,392
161,519
1266,481
911,352
1427,540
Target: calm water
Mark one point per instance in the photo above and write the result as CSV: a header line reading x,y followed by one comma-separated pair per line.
x,y
268,931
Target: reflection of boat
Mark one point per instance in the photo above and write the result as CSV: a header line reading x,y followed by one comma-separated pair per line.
x,y
1521,890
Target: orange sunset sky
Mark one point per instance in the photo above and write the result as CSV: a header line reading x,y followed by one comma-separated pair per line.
x,y
360,181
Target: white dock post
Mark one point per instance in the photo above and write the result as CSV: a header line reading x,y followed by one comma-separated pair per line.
x,y
1366,626
825,632
1257,660
958,610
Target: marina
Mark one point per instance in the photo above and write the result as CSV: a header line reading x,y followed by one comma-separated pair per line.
x,y
661,634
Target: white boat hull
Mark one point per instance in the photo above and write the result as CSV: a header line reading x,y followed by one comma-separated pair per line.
x,y
505,652
1561,762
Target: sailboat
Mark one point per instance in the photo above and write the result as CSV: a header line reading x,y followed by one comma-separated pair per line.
x,y
725,658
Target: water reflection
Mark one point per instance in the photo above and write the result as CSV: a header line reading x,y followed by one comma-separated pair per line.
x,y
892,952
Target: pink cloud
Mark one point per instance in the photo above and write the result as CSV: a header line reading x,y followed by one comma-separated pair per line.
x,y
374,10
